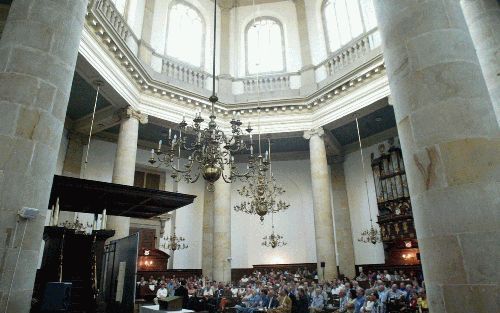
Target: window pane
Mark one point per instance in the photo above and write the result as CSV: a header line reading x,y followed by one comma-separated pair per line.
x,y
185,23
354,18
265,47
368,14
342,21
331,26
120,6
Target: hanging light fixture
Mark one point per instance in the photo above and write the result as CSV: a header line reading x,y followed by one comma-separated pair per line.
x,y
370,235
209,149
274,240
262,190
174,242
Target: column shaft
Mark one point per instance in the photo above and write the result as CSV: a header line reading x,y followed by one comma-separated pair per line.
x,y
483,20
307,74
225,82
342,217
124,166
450,141
74,156
222,231
207,254
38,53
323,220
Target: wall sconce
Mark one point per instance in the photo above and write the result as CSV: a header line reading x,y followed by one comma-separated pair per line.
x,y
406,256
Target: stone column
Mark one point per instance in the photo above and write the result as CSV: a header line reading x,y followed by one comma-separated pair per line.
x,y
323,220
450,141
342,217
225,82
74,156
145,50
483,20
207,254
222,231
124,166
173,219
38,53
307,75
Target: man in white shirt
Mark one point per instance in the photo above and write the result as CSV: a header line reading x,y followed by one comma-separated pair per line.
x,y
162,293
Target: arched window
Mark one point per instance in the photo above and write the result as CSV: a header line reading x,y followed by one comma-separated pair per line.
x,y
345,20
185,36
264,46
121,6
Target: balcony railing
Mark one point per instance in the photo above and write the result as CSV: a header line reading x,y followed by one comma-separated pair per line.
x,y
266,83
351,53
184,72
113,17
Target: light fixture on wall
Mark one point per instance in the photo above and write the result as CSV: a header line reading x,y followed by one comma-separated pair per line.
x,y
371,235
210,150
174,242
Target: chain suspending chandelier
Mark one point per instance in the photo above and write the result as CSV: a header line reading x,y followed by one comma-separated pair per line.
x,y
209,149
174,243
371,235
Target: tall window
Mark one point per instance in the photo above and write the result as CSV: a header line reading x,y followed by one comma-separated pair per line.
x,y
121,6
264,45
185,34
347,19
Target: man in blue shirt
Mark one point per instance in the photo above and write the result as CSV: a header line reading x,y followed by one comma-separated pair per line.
x,y
360,300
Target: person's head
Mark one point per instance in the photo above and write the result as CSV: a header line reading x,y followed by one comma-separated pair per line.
x,y
409,287
283,292
163,286
381,288
360,292
402,286
394,287
302,292
271,293
342,292
264,292
183,282
347,286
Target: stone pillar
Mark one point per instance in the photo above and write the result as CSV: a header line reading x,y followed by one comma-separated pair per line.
x,y
145,50
222,231
207,254
4,12
342,217
225,81
38,53
450,141
483,20
124,166
173,219
74,156
307,75
323,220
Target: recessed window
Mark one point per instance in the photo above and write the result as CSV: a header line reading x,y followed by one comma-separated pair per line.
x,y
185,34
265,48
346,20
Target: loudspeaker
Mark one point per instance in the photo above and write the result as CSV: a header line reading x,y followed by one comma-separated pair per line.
x,y
323,264
418,256
56,298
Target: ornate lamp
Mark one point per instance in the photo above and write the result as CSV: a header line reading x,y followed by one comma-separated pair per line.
x,y
262,191
209,149
370,235
274,240
174,243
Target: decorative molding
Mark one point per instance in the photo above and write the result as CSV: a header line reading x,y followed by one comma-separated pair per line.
x,y
130,112
318,131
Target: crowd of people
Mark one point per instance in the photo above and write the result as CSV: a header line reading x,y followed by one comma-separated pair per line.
x,y
298,292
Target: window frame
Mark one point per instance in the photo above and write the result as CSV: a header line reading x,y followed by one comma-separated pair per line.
x,y
283,49
203,31
327,34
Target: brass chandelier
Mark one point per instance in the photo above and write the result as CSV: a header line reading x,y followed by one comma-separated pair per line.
x,y
274,240
174,243
371,235
209,150
262,190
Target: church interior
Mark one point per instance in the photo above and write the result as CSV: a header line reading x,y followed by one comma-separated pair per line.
x,y
246,156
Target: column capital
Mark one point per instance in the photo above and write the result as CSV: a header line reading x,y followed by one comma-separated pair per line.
x,y
130,112
318,131
226,4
